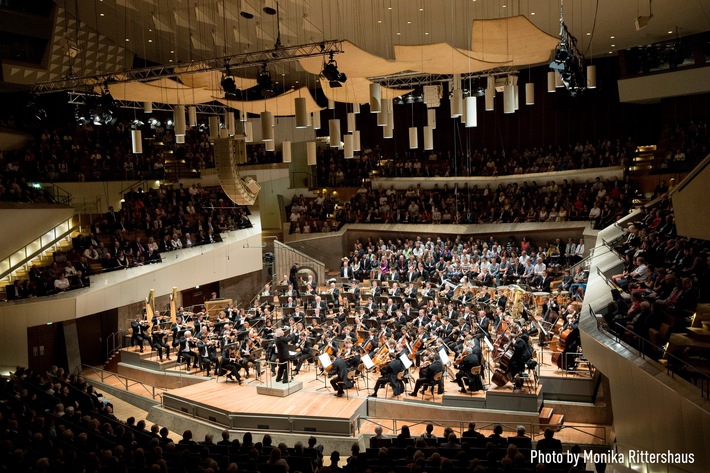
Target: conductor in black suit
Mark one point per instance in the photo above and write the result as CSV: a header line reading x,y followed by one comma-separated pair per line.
x,y
339,374
282,342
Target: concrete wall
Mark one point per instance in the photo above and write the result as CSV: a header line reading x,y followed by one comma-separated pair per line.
x,y
36,221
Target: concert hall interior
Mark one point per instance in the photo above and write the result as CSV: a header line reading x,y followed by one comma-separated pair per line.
x,y
361,235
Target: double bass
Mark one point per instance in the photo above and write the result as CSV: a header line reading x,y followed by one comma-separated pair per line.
x,y
558,357
501,375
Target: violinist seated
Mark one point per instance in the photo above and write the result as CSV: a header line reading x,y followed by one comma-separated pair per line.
x,y
208,354
350,354
138,335
430,367
249,345
541,283
389,374
304,350
464,378
231,362
338,372
186,344
158,342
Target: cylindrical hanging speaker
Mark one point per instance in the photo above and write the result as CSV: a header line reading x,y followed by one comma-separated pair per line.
x,y
270,145
357,146
315,119
428,138
431,118
137,141
249,132
591,76
351,122
413,138
388,129
558,80
214,127
456,103
147,107
267,126
311,153
550,81
180,139
192,115
230,124
356,108
516,97
331,104
334,129
348,146
490,99
301,112
530,93
286,151
382,118
471,112
179,119
509,99
375,98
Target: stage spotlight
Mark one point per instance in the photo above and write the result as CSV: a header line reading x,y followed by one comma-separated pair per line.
x,y
228,86
332,74
265,84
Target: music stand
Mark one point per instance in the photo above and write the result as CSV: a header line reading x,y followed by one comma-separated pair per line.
x,y
325,362
367,361
445,360
542,337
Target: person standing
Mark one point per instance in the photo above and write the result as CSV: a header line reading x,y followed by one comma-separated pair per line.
x,y
282,354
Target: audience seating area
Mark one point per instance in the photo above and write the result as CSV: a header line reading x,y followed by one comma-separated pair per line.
x,y
148,225
664,278
55,422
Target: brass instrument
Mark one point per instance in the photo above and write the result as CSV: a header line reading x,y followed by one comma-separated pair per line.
x,y
173,308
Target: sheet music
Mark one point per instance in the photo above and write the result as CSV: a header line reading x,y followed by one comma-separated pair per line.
x,y
325,360
405,360
445,360
488,343
292,353
367,361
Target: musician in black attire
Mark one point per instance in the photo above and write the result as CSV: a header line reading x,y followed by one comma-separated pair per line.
x,y
185,344
339,374
281,343
426,375
464,375
389,374
305,350
208,354
521,354
572,342
231,362
138,334
158,343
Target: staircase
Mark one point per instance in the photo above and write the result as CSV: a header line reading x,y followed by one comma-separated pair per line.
x,y
549,418
644,159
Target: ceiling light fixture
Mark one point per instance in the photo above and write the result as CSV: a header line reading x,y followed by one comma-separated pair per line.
x,y
641,21
263,81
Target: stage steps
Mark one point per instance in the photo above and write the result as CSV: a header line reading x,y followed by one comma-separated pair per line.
x,y
548,417
147,359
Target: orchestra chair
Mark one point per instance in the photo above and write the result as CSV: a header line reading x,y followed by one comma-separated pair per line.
x,y
360,373
400,379
475,371
351,377
432,385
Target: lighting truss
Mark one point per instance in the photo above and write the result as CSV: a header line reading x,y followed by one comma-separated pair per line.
x,y
79,98
568,61
412,79
237,61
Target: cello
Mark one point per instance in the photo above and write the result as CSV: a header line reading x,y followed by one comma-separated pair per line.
x,y
501,376
558,355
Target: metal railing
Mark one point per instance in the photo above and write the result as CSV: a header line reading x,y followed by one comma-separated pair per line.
x,y
534,429
36,247
58,194
126,382
651,352
114,341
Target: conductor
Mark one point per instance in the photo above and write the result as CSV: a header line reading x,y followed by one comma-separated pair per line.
x,y
282,354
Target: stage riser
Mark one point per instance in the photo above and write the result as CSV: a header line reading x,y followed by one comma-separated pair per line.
x,y
394,409
279,389
286,424
583,413
145,360
569,389
510,401
179,423
160,379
